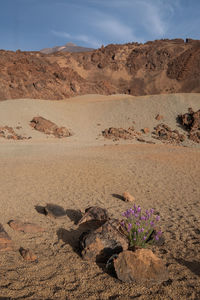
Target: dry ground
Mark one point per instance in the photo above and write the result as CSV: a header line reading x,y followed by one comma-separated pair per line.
x,y
81,171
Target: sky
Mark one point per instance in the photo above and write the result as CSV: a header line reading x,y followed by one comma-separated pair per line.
x,y
37,24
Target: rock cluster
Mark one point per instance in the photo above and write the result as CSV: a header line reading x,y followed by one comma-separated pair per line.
x,y
191,122
164,133
48,127
5,241
8,133
120,133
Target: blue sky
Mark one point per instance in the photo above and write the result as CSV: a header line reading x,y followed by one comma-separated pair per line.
x,y
37,24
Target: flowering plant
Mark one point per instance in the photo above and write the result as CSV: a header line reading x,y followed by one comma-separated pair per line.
x,y
140,228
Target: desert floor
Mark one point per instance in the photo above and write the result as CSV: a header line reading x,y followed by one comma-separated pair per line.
x,y
86,170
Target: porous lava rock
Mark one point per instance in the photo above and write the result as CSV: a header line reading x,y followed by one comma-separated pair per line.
x,y
141,267
8,133
101,244
48,127
94,214
25,226
164,133
120,133
5,241
191,122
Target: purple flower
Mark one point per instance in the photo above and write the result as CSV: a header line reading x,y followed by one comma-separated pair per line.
x,y
144,237
151,210
139,209
122,223
143,218
137,223
156,237
157,218
159,232
152,223
142,229
129,227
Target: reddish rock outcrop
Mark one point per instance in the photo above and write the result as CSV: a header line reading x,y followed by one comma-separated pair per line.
x,y
163,66
166,134
48,127
8,133
191,122
141,267
120,133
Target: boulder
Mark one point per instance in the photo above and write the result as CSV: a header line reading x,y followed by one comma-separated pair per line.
x,y
101,244
25,226
94,214
5,241
191,122
141,267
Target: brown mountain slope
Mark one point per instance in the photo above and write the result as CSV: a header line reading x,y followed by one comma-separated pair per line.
x,y
165,66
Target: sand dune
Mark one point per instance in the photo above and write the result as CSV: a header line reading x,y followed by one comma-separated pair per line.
x,y
80,171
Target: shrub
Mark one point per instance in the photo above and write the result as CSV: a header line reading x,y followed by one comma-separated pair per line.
x,y
141,229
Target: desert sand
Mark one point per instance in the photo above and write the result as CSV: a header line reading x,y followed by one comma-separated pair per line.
x,y
86,170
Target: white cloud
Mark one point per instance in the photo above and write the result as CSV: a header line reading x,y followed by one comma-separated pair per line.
x,y
90,41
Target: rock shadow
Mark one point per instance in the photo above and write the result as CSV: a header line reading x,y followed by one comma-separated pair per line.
x,y
117,196
51,209
74,215
193,266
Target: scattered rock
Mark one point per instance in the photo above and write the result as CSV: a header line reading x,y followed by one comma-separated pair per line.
x,y
48,127
191,122
128,197
25,227
159,117
9,134
27,254
96,214
5,241
120,133
146,130
101,244
140,267
166,134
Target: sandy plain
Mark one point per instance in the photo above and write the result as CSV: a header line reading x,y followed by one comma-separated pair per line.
x,y
85,170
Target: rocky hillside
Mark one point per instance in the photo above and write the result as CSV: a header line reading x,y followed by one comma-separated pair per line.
x,y
164,66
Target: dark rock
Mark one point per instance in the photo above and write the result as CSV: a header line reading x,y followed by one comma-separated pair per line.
x,y
5,241
191,122
166,134
141,267
25,227
101,244
94,213
54,210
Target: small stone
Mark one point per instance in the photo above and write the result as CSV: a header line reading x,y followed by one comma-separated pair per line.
x,y
25,227
101,244
146,130
27,254
159,117
141,267
5,241
128,197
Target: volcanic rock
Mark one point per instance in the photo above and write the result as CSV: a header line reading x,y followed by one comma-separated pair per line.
x,y
25,227
48,127
166,134
8,132
27,254
159,117
191,122
94,214
141,267
5,241
101,244
119,133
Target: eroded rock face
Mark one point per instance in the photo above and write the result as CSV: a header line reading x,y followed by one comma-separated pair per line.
x,y
166,134
191,122
25,226
48,127
101,244
8,133
5,241
141,267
